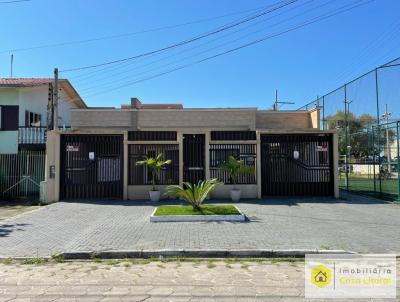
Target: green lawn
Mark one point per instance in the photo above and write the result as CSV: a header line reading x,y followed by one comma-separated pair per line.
x,y
390,187
204,210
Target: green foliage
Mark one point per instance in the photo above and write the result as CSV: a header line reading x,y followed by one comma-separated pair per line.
x,y
154,165
203,210
36,261
58,258
359,134
235,168
194,194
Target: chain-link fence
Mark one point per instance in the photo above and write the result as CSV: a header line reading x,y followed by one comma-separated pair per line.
x,y
366,114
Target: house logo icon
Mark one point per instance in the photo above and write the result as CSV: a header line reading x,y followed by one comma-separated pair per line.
x,y
320,276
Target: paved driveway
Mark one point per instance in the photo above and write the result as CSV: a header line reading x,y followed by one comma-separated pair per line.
x,y
359,224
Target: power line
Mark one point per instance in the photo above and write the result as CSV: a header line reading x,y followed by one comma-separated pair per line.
x,y
13,1
156,29
202,36
207,50
208,42
341,10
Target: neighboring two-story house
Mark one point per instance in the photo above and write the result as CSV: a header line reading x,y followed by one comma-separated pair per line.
x,y
26,111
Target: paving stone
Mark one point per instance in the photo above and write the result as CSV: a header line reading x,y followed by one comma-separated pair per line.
x,y
358,224
42,287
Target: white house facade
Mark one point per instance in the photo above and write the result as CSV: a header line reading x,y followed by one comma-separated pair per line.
x,y
25,111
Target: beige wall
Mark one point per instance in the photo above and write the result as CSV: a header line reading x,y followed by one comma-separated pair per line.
x,y
228,119
283,120
142,192
236,119
102,118
224,191
315,118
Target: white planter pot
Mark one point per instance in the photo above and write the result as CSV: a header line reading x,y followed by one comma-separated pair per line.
x,y
154,195
235,195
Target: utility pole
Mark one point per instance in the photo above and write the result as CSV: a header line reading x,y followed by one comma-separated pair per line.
x,y
55,99
12,62
386,115
275,104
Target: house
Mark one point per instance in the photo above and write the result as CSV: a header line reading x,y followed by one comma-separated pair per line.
x,y
97,156
25,115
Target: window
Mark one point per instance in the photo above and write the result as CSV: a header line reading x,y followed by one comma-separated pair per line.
x,y
9,118
32,119
139,175
219,153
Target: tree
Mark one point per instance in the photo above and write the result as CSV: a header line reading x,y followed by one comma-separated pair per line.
x,y
194,194
234,168
154,164
359,133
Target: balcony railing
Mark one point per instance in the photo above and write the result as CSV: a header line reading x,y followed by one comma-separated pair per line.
x,y
35,135
31,135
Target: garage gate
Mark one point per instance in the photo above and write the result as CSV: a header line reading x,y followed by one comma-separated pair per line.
x,y
91,166
297,165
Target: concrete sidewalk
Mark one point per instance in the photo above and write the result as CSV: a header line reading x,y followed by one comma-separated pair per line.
x,y
155,281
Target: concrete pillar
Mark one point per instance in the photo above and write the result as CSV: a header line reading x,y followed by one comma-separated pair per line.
x,y
52,163
125,172
258,165
180,142
207,155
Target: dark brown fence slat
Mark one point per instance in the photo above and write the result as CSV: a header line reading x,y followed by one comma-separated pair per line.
x,y
139,175
219,153
310,174
152,135
85,177
233,135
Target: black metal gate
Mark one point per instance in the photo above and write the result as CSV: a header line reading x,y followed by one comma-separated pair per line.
x,y
295,165
91,166
193,157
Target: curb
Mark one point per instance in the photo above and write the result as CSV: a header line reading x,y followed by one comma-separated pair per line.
x,y
265,253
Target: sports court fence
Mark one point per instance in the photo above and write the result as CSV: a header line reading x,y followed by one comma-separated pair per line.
x,y
366,114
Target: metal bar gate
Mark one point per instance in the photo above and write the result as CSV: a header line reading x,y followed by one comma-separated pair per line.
x,y
193,157
295,165
91,166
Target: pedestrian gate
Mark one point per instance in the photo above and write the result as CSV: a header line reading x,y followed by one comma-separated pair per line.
x,y
294,165
193,157
91,166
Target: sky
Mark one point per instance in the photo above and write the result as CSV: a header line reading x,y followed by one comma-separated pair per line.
x,y
301,64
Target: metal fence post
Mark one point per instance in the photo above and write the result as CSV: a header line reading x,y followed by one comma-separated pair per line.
x,y
346,131
379,128
398,160
323,113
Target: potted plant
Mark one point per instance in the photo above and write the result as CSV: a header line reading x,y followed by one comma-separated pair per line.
x,y
194,194
234,168
154,165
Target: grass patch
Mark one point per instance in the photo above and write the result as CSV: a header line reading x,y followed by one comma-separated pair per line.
x,y
35,261
204,210
210,264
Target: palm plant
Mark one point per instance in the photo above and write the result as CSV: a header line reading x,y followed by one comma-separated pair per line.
x,y
234,168
194,194
154,165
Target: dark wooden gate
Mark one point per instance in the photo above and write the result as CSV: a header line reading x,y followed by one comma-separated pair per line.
x,y
91,166
193,157
295,165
